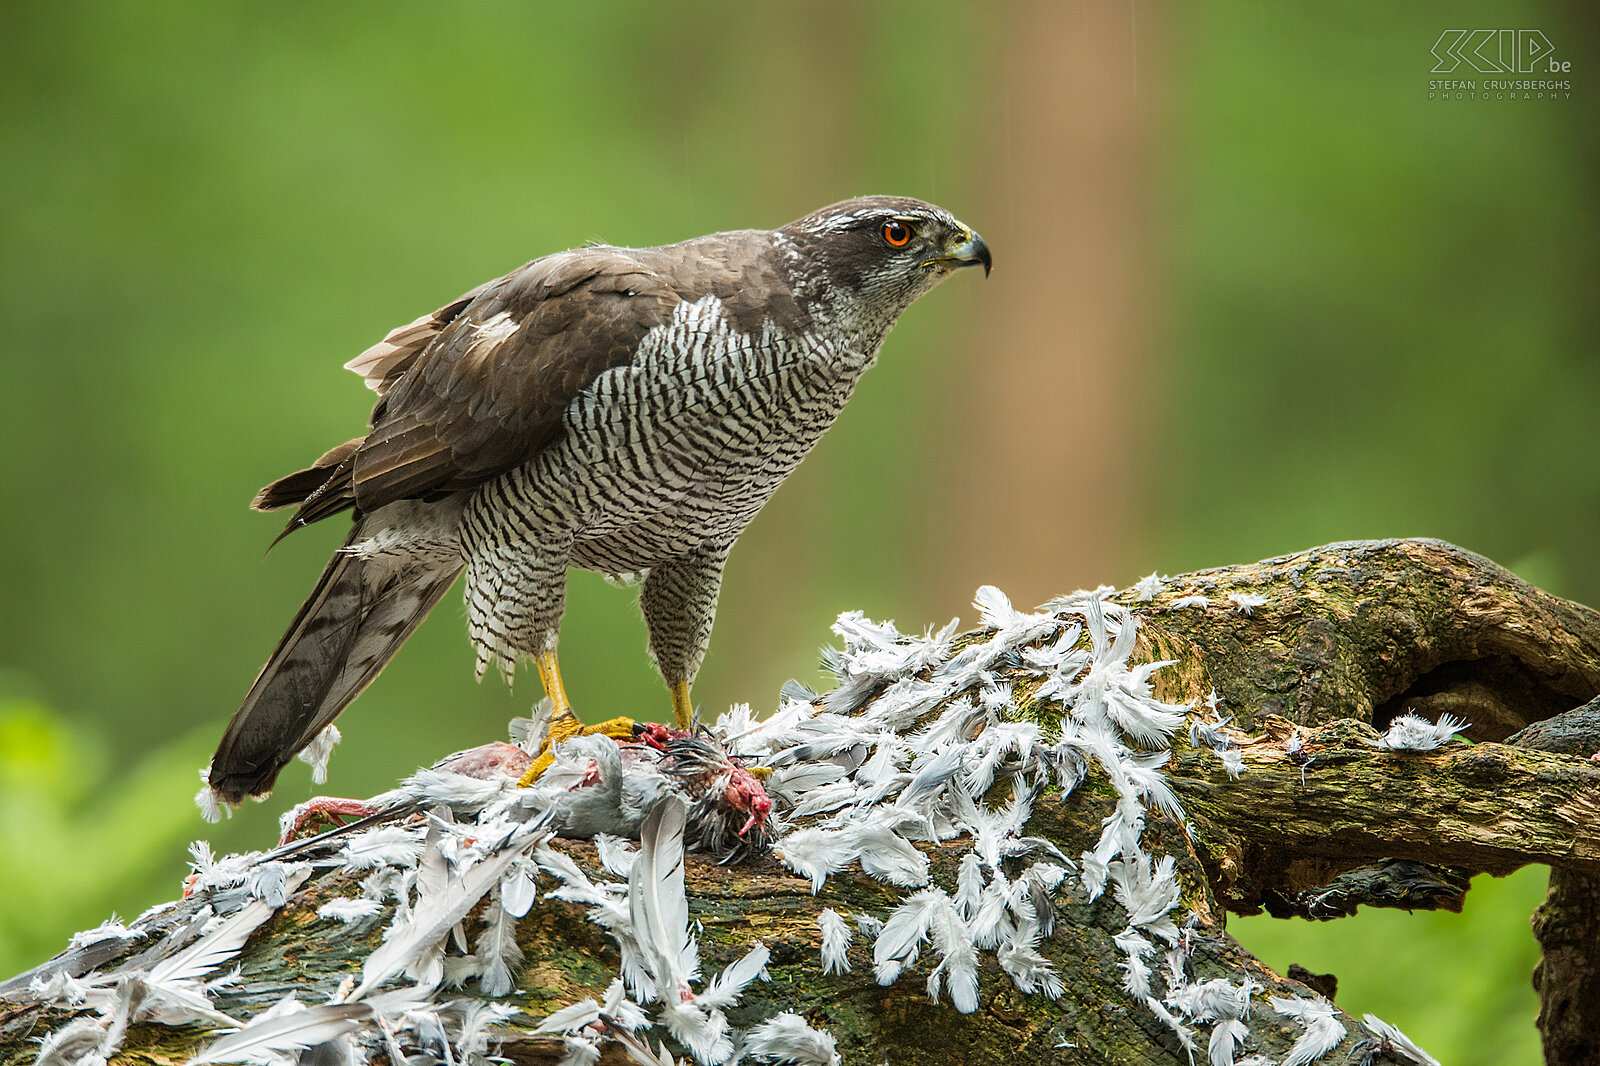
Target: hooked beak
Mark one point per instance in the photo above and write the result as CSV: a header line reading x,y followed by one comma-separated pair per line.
x,y
969,251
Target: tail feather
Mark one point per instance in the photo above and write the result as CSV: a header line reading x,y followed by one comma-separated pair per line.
x,y
353,622
295,489
324,488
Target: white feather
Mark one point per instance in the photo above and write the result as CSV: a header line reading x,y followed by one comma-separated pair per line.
x,y
384,845
824,799
577,1051
787,1038
800,778
704,1033
958,964
316,753
272,1034
519,888
1184,1034
1147,893
657,901
905,931
1030,971
1320,1019
641,1052
437,913
1396,1042
991,920
349,910
836,938
218,945
1412,732
112,929
729,985
889,857
616,854
571,1018
969,885
1147,588
1227,1036
1246,602
497,949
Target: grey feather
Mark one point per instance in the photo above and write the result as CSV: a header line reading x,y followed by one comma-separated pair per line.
x,y
433,919
656,894
268,1036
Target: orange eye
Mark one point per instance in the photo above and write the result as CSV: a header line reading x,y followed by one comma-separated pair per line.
x,y
897,233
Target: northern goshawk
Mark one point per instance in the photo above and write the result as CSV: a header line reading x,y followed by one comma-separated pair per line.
x,y
625,410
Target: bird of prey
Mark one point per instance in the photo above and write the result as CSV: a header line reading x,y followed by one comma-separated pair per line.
x,y
624,410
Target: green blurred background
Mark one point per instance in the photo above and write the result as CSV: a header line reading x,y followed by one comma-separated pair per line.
x,y
1255,292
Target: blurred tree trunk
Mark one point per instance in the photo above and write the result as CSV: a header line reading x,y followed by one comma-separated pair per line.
x,y
1065,316
1346,638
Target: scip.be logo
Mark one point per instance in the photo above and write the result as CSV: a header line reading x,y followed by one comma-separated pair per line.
x,y
1497,52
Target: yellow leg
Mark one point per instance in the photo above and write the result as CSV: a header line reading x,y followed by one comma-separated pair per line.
x,y
682,707
550,678
564,724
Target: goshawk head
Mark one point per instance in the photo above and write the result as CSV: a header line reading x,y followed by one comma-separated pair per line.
x,y
869,258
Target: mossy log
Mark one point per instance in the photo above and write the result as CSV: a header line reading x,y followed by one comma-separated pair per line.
x,y
1348,637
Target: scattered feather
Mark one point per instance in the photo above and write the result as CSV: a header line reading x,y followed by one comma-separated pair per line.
x,y
969,885
1147,588
1246,602
216,946
436,914
726,988
1232,760
519,887
1030,971
111,929
1412,732
616,854
572,1018
384,845
787,1038
903,934
349,910
277,1035
316,753
1319,1019
579,1051
1227,1036
498,953
211,805
1392,1042
836,937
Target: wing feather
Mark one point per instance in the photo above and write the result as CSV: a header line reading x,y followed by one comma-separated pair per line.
x,y
480,386
385,362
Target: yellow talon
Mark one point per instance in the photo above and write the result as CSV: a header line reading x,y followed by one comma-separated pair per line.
x,y
615,728
535,769
564,724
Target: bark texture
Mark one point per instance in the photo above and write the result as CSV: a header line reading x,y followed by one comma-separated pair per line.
x,y
1348,637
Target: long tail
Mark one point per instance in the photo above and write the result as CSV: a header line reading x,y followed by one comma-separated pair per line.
x,y
353,622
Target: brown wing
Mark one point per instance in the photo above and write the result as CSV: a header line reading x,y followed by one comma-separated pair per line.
x,y
385,362
486,390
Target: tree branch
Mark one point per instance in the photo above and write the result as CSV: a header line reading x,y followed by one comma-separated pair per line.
x,y
1343,640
